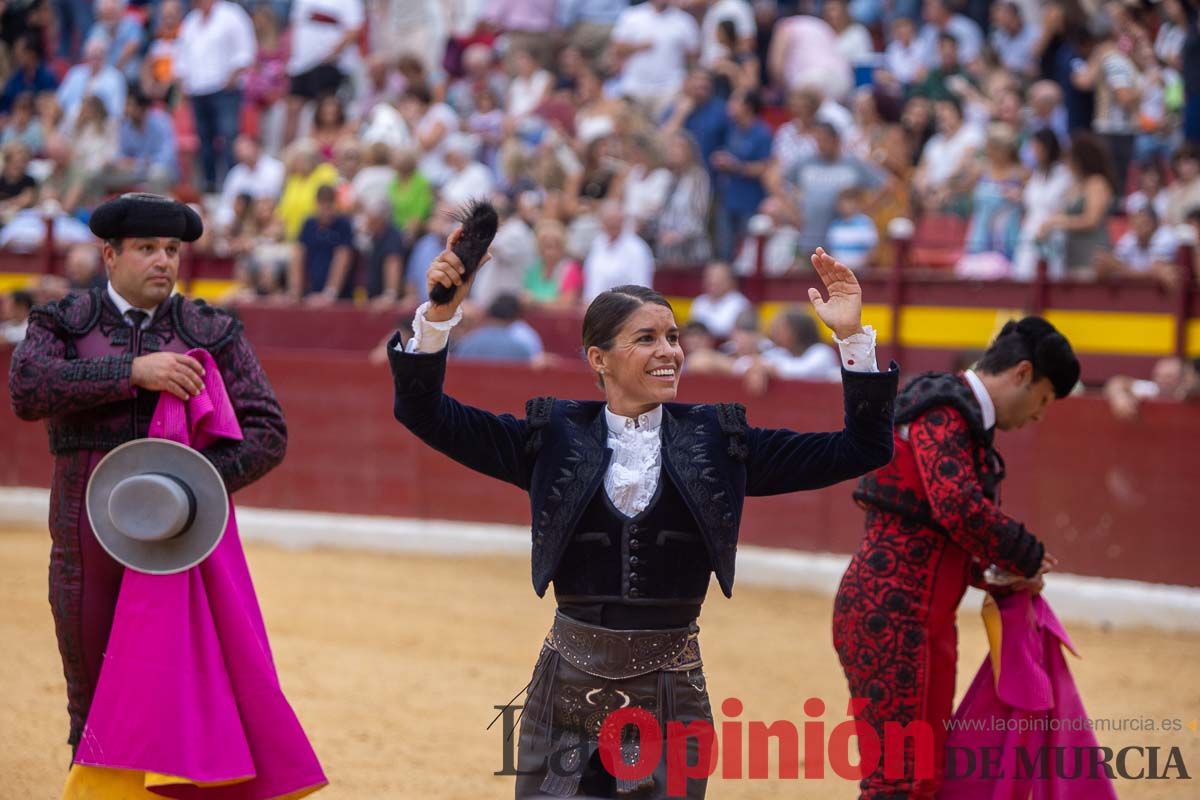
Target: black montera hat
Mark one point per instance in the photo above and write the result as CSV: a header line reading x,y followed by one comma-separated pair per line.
x,y
1048,351
144,214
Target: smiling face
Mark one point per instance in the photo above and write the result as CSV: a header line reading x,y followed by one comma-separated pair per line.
x,y
143,270
640,369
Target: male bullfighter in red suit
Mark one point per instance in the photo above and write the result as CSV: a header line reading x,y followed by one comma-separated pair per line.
x,y
933,526
93,365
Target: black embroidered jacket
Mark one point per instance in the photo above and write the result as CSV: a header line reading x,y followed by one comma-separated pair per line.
x,y
558,453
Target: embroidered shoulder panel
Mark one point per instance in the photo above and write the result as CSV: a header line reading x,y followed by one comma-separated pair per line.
x,y
75,314
204,326
537,417
732,418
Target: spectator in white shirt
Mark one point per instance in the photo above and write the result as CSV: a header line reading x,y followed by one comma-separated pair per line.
x,y
654,42
529,86
774,223
1173,380
124,32
1043,196
93,76
1150,190
1012,38
373,183
467,178
904,57
798,354
216,45
1044,109
1172,34
940,19
527,25
513,251
14,317
256,174
719,306
644,184
740,14
1145,249
431,123
618,256
323,51
804,52
943,176
854,41
478,74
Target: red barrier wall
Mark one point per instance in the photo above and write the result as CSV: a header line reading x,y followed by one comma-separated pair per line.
x,y
1109,498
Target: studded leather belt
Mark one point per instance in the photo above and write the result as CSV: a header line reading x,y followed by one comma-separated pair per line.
x,y
617,655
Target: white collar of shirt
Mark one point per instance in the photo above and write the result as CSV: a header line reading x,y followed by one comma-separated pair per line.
x,y
633,473
617,424
985,400
124,306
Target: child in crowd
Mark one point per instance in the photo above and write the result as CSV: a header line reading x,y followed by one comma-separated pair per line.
x,y
852,235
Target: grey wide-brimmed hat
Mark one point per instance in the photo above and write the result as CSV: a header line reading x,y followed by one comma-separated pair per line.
x,y
157,506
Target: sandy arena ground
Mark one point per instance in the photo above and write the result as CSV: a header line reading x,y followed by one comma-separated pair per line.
x,y
395,662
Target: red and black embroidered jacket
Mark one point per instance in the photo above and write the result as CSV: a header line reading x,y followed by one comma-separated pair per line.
x,y
945,475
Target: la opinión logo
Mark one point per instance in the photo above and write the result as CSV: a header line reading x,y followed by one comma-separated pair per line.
x,y
905,752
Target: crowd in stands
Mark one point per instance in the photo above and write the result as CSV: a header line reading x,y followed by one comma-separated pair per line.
x,y
328,143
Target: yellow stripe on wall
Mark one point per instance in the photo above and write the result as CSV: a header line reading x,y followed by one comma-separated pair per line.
x,y
950,327
968,328
1193,338
12,281
210,291
1124,333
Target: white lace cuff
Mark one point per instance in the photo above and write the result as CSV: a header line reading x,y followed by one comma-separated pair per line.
x,y
429,337
858,351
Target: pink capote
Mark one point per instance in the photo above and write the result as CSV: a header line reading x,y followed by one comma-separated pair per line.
x,y
188,687
1034,687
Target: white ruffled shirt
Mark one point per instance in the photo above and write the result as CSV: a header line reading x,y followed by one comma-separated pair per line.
x,y
633,473
632,477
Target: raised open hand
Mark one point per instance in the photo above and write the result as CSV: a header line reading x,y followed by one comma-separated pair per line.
x,y
842,312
